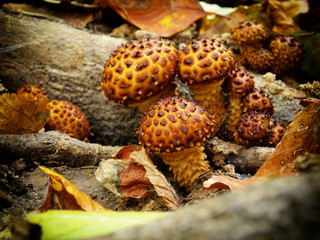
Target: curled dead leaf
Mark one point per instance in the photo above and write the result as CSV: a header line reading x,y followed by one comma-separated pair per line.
x,y
62,194
131,173
282,21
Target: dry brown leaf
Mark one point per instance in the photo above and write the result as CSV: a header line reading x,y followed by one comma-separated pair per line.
x,y
295,7
131,173
298,139
163,17
22,113
282,22
62,194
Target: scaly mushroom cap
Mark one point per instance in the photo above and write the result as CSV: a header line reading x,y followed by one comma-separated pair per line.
x,y
248,32
238,83
174,123
253,127
33,90
259,101
276,133
68,118
204,61
259,59
288,54
138,70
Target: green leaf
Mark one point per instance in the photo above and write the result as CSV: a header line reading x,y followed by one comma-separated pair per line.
x,y
66,224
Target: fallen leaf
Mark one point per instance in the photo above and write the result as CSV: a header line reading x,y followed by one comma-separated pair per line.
x,y
282,22
217,25
307,102
131,173
62,194
87,225
295,7
162,17
161,185
22,113
298,139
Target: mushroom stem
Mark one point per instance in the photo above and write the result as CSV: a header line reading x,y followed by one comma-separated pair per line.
x,y
187,165
144,106
233,117
210,96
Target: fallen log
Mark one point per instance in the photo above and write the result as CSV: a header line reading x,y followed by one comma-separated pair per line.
x,y
53,149
245,160
66,62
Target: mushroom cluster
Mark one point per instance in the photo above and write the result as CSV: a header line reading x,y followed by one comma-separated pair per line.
x,y
175,129
237,85
264,52
249,120
140,72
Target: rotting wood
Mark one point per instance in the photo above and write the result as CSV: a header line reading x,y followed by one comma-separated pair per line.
x,y
245,160
66,62
53,149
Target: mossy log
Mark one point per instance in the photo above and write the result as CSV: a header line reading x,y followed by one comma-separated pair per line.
x,y
66,62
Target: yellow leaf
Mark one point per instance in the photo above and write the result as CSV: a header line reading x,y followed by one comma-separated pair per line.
x,y
62,194
22,113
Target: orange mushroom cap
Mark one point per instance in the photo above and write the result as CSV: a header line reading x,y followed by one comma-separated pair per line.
x,y
253,127
259,59
68,118
276,133
33,90
259,101
204,61
174,123
139,69
248,32
288,53
239,83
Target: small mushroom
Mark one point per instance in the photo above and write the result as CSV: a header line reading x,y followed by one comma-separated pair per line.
x,y
237,85
249,32
140,72
69,119
275,134
175,129
33,90
252,129
203,65
259,59
259,101
288,54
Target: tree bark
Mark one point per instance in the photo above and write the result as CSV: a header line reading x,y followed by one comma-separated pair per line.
x,y
53,149
284,208
66,62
